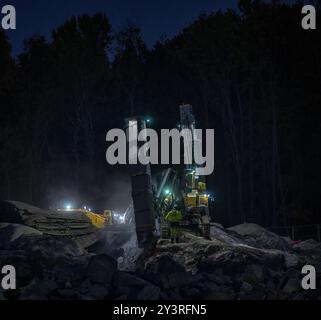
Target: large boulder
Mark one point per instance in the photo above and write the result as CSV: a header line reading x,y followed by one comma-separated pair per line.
x,y
47,247
150,292
10,232
19,212
163,264
38,290
101,269
132,286
40,255
72,272
258,236
308,247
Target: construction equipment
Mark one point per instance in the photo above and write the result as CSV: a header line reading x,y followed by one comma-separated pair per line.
x,y
97,220
182,189
141,182
108,215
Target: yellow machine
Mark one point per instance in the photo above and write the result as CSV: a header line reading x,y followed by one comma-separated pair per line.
x,y
184,189
187,192
97,220
108,217
197,195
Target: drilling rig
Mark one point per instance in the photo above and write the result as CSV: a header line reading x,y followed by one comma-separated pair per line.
x,y
155,195
184,189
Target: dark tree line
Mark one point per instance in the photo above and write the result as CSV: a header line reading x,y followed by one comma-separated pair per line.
x,y
253,75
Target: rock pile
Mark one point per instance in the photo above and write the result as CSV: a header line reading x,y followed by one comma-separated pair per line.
x,y
243,262
72,224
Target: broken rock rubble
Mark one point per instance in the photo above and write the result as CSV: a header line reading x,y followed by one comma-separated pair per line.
x,y
243,262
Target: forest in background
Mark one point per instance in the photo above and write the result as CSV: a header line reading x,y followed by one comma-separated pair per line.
x,y
253,75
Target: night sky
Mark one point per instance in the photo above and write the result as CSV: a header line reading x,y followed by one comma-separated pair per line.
x,y
156,18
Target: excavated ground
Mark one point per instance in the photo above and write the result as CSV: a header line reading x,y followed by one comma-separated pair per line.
x,y
243,262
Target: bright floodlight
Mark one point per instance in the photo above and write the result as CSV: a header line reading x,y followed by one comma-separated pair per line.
x,y
167,191
68,206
